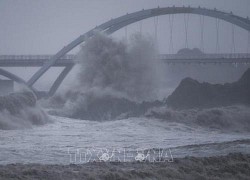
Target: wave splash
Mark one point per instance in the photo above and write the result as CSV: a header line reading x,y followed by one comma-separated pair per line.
x,y
114,77
119,69
19,111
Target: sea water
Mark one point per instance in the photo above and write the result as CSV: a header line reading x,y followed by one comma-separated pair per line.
x,y
67,141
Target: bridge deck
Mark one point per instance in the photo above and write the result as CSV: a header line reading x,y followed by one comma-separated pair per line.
x,y
33,60
240,58
68,60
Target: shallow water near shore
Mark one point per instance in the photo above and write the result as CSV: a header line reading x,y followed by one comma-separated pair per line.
x,y
58,142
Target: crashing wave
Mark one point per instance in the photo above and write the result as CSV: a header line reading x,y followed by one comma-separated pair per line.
x,y
114,80
19,110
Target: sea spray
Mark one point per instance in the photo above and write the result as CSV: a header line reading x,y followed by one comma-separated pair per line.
x,y
114,79
119,69
19,110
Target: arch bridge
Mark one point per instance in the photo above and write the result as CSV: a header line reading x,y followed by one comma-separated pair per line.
x,y
113,25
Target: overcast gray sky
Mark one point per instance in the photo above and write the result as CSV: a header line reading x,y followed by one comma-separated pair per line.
x,y
45,26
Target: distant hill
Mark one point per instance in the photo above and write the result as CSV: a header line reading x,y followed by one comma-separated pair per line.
x,y
187,51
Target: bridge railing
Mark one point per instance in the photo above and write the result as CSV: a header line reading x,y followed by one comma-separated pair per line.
x,y
34,57
38,60
205,56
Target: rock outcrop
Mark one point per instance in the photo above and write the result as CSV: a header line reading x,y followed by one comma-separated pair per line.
x,y
193,94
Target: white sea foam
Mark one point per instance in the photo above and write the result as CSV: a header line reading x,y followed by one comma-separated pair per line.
x,y
19,110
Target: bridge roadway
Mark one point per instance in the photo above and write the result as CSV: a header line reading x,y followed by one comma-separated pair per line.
x,y
69,60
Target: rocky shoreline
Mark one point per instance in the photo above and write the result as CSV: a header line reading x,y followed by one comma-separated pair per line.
x,y
231,166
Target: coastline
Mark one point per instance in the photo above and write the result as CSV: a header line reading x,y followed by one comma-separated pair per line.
x,y
231,166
